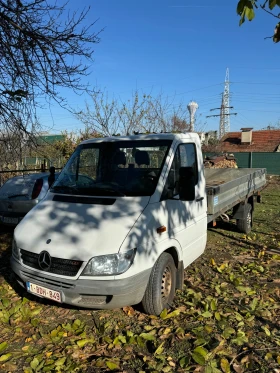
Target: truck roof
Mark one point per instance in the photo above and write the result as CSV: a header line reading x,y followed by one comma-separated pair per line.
x,y
157,136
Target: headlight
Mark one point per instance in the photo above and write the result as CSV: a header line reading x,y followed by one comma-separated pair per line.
x,y
15,250
105,265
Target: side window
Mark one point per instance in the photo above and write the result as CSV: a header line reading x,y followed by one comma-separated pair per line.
x,y
185,156
188,158
88,163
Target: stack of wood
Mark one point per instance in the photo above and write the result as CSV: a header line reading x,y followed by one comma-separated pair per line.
x,y
221,161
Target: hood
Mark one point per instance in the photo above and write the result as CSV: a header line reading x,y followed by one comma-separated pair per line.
x,y
20,188
76,230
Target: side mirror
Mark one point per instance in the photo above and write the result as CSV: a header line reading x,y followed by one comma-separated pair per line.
x,y
186,184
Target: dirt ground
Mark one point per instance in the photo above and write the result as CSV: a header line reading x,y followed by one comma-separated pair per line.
x,y
226,319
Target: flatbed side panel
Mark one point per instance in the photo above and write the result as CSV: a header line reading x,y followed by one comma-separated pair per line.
x,y
229,193
218,176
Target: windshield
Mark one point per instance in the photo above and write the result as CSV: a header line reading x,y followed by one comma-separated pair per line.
x,y
123,168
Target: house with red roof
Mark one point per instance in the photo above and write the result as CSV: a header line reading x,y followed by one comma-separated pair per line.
x,y
247,141
251,141
257,149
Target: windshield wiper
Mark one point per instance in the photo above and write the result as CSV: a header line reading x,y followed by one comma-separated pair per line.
x,y
18,195
87,191
111,190
64,189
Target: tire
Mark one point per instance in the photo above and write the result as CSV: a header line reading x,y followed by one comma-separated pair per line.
x,y
160,290
245,225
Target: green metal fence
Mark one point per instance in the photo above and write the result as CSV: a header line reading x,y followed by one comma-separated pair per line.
x,y
270,161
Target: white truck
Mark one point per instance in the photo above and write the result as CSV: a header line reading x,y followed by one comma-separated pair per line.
x,y
124,218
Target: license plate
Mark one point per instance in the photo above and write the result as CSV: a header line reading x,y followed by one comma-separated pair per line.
x,y
43,292
10,220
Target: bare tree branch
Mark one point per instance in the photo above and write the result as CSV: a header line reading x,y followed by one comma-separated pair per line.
x,y
43,49
141,113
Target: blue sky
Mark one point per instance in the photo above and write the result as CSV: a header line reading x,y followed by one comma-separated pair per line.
x,y
182,49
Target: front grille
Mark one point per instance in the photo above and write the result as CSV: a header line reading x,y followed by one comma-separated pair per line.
x,y
64,267
47,281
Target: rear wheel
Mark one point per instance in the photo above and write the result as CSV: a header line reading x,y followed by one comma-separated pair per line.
x,y
245,225
161,286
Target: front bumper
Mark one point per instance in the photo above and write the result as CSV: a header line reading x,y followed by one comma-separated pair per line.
x,y
11,218
98,294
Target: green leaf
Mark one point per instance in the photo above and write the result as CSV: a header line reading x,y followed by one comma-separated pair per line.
x,y
166,369
238,316
207,314
213,305
201,350
211,369
180,331
198,358
254,303
111,365
6,302
35,311
82,342
217,316
76,324
148,336
40,366
267,331
48,368
245,289
3,345
24,301
228,332
163,314
160,349
240,339
34,363
116,341
60,361
184,362
35,322
122,338
53,333
200,342
225,365
249,12
5,357
170,315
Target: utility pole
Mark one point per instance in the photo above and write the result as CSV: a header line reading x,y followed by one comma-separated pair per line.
x,y
225,118
224,109
223,114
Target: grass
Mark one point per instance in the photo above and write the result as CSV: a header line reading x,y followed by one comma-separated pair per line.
x,y
226,319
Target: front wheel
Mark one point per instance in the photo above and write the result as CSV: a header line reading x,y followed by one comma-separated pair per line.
x,y
160,290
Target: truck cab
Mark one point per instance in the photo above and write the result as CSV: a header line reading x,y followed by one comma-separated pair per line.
x,y
124,218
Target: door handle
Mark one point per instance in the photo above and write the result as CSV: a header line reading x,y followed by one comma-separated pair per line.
x,y
199,199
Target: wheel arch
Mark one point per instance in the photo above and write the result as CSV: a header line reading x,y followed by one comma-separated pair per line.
x,y
179,266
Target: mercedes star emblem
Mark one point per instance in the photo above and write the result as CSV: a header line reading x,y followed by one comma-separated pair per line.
x,y
44,261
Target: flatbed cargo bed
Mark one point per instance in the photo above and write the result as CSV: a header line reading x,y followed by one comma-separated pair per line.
x,y
227,187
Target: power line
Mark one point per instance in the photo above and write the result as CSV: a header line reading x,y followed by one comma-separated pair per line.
x,y
262,111
257,83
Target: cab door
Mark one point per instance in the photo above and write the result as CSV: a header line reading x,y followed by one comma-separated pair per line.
x,y
187,220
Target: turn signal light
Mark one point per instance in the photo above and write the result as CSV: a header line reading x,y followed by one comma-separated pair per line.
x,y
37,188
161,229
